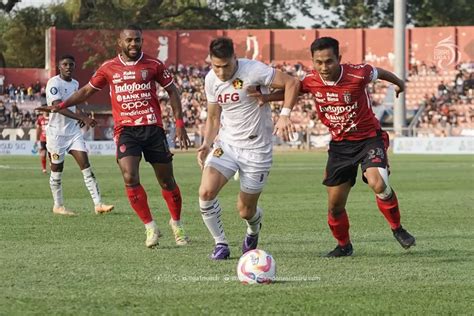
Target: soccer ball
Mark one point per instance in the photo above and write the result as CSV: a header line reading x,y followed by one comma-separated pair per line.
x,y
256,267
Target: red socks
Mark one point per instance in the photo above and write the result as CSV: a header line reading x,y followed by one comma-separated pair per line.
x,y
339,227
138,201
174,202
389,209
43,162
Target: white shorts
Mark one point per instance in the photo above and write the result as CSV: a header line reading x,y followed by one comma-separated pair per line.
x,y
253,165
59,145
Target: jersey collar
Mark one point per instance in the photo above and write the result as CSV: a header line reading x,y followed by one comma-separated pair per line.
x,y
336,82
130,63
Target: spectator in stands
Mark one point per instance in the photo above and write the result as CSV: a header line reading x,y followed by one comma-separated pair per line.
x,y
16,116
3,115
37,88
2,82
442,89
29,92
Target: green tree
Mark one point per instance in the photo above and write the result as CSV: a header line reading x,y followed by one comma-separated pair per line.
x,y
373,13
24,38
8,6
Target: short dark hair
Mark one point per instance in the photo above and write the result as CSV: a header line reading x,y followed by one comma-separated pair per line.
x,y
325,43
67,56
221,47
133,27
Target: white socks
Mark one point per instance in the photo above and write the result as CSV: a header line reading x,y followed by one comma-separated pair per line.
x,y
253,224
211,215
151,224
92,186
56,188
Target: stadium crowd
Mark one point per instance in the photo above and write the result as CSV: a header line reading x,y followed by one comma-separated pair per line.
x,y
16,102
449,111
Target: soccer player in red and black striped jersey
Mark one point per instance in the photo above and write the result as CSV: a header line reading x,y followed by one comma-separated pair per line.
x,y
344,106
132,77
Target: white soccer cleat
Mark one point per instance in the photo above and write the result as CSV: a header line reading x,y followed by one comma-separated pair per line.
x,y
103,208
179,234
61,210
152,236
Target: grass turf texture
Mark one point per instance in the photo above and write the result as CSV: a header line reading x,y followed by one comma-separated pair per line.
x,y
93,264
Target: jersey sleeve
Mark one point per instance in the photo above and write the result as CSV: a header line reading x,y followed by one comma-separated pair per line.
x,y
163,75
99,79
304,85
370,73
52,91
262,74
210,95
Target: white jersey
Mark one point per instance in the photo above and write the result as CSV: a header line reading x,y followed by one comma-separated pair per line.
x,y
244,124
59,89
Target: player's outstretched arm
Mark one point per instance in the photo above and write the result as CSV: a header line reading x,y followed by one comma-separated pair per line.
x,y
80,96
392,78
175,101
291,87
213,123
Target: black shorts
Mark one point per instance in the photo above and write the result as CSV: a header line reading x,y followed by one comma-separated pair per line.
x,y
42,145
346,156
149,140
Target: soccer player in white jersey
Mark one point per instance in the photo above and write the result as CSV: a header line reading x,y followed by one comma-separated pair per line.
x,y
64,136
244,138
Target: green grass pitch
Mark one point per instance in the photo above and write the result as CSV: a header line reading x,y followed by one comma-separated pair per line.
x,y
98,265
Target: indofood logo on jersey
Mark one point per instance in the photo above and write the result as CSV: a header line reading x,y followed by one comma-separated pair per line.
x,y
132,87
338,109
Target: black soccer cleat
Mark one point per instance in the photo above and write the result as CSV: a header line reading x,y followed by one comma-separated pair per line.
x,y
340,251
405,239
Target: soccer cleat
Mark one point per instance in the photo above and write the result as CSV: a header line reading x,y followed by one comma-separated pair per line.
x,y
221,252
340,251
405,239
61,210
179,234
44,171
103,208
250,243
152,236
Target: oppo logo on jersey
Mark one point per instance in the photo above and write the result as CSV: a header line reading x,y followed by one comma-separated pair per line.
x,y
134,105
132,87
226,97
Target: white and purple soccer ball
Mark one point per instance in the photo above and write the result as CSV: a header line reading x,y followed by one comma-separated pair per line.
x,y
256,267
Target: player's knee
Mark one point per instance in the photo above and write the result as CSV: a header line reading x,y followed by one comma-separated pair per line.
x,y
168,184
377,185
336,209
130,179
206,194
378,181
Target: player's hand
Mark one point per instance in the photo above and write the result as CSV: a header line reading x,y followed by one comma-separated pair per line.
x,y
399,89
203,151
48,109
284,127
254,92
86,120
183,138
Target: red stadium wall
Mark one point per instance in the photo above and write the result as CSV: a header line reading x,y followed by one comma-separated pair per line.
x,y
442,46
26,76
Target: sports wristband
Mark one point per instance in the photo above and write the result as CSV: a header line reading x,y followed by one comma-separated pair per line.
x,y
285,111
62,105
179,123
